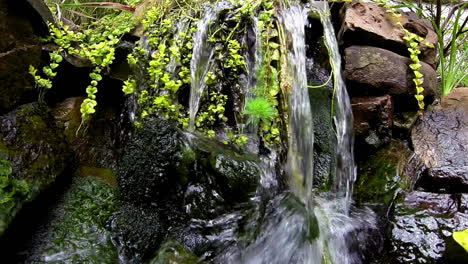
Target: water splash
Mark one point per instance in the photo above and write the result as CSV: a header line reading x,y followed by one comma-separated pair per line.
x,y
200,64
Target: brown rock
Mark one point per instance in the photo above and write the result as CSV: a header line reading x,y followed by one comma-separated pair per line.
x,y
19,48
376,71
372,113
441,137
438,204
369,24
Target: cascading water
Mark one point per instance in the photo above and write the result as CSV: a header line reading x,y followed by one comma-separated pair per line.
x,y
345,169
200,64
301,132
308,226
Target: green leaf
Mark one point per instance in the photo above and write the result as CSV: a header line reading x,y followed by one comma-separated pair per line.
x,y
461,237
415,66
419,97
417,74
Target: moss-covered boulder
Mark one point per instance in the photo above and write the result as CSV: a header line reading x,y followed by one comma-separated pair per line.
x,y
390,170
35,151
148,170
77,231
172,252
162,167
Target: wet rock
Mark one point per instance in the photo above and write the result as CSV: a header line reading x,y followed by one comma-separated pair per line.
x,y
373,119
441,136
173,252
148,171
43,11
68,114
375,71
403,123
34,149
390,170
19,48
433,203
369,24
445,180
422,227
76,231
237,177
138,232
203,202
324,135
32,142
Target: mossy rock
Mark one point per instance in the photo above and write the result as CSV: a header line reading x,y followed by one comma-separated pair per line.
x,y
13,193
385,173
324,137
172,252
77,231
34,150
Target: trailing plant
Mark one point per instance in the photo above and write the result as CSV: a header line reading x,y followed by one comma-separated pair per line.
x,y
96,43
262,108
165,61
451,32
46,82
413,43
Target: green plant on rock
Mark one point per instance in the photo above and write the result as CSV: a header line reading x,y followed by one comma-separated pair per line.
x,y
13,193
259,109
262,108
46,83
413,43
453,57
94,42
213,112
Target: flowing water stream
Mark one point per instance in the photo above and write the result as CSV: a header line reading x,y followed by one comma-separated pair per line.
x,y
296,223
200,64
305,225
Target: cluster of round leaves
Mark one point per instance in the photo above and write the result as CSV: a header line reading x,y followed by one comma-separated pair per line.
x,y
48,71
413,42
95,44
167,58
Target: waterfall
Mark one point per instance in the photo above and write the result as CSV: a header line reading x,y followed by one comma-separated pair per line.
x,y
200,63
301,132
343,117
306,226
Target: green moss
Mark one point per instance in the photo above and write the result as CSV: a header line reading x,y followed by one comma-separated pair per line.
x,y
13,194
77,233
383,176
171,252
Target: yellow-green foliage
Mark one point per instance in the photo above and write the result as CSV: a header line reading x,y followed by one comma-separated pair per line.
x,y
413,43
461,238
13,193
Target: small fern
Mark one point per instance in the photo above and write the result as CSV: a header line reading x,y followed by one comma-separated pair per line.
x,y
259,109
